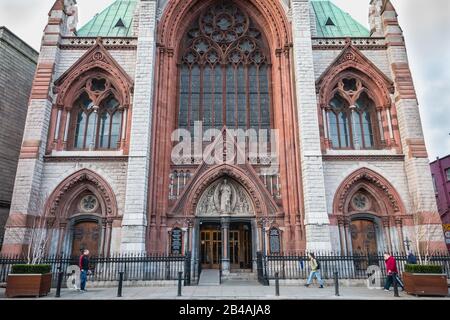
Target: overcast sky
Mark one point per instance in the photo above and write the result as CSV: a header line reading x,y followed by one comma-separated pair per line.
x,y
426,25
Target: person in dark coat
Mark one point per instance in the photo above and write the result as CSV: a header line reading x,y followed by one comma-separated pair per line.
x,y
411,259
391,270
84,269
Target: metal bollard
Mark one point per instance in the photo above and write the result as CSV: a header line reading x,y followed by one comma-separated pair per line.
x,y
58,287
394,277
180,276
119,290
336,284
277,284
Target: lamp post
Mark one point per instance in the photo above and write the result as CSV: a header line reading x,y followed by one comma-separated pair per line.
x,y
407,243
263,222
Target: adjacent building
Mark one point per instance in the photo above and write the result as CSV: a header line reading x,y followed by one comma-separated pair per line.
x,y
349,171
17,67
440,170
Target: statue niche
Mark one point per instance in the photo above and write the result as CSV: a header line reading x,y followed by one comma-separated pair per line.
x,y
224,197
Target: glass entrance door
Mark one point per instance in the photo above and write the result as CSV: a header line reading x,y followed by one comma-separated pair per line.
x,y
240,246
211,248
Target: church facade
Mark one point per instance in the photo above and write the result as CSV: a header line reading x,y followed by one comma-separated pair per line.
x,y
112,102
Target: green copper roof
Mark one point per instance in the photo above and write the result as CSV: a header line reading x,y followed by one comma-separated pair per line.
x,y
332,22
115,21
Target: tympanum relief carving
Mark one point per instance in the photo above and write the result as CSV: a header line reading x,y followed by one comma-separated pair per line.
x,y
225,197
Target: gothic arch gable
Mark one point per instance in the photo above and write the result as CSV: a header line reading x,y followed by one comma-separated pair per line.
x,y
178,14
72,186
96,58
352,60
377,185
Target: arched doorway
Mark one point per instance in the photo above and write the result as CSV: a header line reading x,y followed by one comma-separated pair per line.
x,y
369,214
84,208
226,227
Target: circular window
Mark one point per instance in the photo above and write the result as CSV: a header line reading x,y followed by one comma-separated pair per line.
x,y
361,202
89,203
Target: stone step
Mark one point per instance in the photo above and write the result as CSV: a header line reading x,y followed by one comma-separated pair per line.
x,y
209,278
245,276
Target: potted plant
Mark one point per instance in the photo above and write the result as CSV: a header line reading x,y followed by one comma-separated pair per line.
x,y
27,280
426,280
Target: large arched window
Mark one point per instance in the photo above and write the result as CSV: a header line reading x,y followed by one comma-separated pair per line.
x,y
97,117
352,117
224,72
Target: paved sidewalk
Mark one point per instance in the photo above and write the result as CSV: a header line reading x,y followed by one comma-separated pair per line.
x,y
229,293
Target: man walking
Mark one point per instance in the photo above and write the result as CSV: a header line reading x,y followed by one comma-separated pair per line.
x,y
391,271
315,271
84,268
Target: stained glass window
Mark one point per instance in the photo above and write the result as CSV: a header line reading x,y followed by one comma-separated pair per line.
x,y
224,72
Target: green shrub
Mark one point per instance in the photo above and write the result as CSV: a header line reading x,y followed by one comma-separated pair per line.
x,y
418,268
31,269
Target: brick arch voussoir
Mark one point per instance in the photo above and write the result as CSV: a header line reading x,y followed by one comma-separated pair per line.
x,y
72,186
233,172
382,190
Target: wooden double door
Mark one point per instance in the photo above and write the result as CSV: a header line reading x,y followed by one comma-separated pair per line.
x,y
238,246
86,235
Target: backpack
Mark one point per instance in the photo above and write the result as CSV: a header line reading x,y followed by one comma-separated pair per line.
x,y
318,264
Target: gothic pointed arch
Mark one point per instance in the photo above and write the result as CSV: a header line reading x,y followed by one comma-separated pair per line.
x,y
356,108
73,186
96,61
262,202
178,14
381,190
352,61
275,35
93,105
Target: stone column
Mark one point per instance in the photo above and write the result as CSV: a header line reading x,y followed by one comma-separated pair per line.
x,y
225,226
134,225
342,235
387,234
401,241
348,247
316,217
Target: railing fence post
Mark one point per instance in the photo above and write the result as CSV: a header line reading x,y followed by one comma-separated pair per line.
x,y
180,277
394,277
277,284
119,290
336,284
58,287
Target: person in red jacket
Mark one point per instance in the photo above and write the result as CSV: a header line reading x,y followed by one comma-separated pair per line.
x,y
391,270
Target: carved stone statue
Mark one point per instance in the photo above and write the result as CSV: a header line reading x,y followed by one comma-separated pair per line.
x,y
225,197
72,12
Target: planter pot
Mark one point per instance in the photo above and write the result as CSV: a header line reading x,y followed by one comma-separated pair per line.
x,y
425,284
28,285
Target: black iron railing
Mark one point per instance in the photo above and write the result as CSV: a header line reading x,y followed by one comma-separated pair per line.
x,y
136,267
296,265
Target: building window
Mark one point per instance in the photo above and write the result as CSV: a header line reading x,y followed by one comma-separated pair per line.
x,y
224,73
98,117
448,174
434,184
352,117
